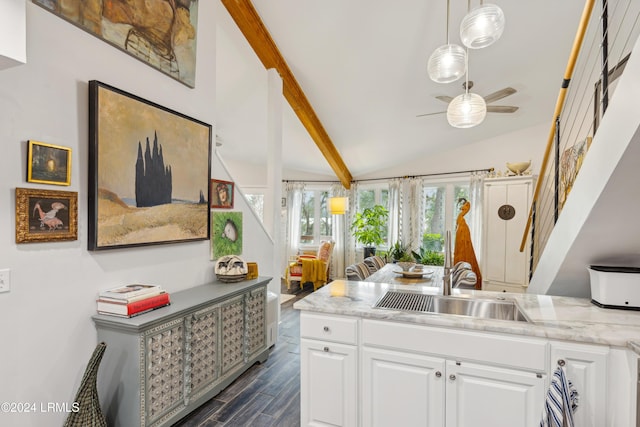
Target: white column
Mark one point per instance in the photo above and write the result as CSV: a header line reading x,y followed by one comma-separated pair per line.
x,y
13,33
274,170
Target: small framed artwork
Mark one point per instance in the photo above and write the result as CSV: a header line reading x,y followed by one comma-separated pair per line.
x,y
46,215
48,163
227,234
221,194
149,171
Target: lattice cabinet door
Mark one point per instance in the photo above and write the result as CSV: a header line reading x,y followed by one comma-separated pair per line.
x,y
232,333
163,368
256,320
202,351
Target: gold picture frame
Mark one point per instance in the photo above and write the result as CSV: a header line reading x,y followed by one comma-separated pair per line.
x,y
46,215
48,163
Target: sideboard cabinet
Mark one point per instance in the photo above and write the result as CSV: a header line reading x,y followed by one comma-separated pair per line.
x,y
162,365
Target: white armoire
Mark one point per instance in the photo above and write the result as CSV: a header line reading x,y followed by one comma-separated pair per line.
x,y
507,201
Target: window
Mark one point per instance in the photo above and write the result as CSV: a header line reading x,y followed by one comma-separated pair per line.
x,y
315,219
256,201
369,196
441,211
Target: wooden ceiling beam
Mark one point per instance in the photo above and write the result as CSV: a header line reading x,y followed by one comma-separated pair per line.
x,y
248,21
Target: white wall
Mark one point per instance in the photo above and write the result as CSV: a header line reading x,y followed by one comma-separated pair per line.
x,y
48,335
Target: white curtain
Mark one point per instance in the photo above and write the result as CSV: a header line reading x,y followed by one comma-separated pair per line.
x,y
350,242
338,235
474,217
293,191
395,210
415,208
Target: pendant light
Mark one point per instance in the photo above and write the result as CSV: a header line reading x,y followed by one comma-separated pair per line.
x,y
482,26
448,62
466,110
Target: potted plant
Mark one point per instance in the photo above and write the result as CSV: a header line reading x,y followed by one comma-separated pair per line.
x,y
397,251
368,228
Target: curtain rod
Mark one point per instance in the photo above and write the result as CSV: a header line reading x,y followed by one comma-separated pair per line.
x,y
395,177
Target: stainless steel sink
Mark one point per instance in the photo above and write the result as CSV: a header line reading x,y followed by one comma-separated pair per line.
x,y
474,307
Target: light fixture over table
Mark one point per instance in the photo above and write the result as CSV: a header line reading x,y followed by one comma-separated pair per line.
x,y
466,110
448,62
482,26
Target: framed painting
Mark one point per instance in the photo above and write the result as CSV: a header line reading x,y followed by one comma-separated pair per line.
x,y
222,194
48,163
598,97
46,215
227,234
160,33
149,170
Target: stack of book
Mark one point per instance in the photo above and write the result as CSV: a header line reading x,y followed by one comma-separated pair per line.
x,y
132,300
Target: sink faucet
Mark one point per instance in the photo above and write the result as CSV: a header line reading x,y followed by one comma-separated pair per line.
x,y
446,279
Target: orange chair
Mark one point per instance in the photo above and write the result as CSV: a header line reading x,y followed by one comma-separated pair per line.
x,y
311,268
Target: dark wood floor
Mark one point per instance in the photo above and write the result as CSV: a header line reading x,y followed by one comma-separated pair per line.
x,y
267,394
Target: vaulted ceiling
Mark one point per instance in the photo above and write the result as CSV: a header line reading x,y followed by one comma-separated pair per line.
x,y
362,67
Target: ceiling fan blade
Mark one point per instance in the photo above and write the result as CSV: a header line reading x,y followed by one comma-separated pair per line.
x,y
502,93
431,114
501,109
444,98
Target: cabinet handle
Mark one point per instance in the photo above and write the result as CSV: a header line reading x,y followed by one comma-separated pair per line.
x,y
561,362
326,329
326,349
452,377
438,374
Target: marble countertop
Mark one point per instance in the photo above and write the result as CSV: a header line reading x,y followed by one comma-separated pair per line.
x,y
552,317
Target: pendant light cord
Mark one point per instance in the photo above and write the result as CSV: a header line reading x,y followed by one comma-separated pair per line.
x,y
447,21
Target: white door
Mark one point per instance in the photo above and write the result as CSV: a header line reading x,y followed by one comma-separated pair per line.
x,y
586,368
479,395
402,389
328,384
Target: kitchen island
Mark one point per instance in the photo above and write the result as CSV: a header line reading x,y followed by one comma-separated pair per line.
x,y
369,366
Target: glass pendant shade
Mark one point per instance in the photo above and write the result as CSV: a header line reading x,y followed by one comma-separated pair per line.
x,y
482,26
447,63
338,205
466,110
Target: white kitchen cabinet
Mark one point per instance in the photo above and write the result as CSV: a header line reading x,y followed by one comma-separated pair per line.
x,y
329,370
392,383
586,367
483,395
505,210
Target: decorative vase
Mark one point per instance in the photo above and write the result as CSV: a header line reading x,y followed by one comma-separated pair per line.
x,y
88,413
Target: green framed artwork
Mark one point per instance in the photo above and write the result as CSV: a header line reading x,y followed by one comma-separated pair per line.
x,y
226,229
160,33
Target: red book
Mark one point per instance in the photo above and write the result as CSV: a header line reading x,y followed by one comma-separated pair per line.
x,y
133,308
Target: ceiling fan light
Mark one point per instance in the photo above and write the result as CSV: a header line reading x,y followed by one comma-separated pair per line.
x,y
482,26
466,110
447,63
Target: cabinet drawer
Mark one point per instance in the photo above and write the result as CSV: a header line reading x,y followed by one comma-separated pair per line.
x,y
329,328
502,287
503,350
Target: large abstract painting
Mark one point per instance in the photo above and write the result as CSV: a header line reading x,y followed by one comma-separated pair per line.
x,y
161,33
149,170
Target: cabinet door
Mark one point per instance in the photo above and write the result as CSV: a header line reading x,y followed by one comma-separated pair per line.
x,y
402,389
163,388
328,384
232,333
586,368
479,395
256,313
202,350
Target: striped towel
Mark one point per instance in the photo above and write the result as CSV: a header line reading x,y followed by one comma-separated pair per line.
x,y
561,402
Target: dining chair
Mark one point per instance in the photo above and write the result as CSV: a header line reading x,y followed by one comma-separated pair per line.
x,y
357,271
374,263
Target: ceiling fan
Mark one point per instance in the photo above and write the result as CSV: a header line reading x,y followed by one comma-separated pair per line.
x,y
495,96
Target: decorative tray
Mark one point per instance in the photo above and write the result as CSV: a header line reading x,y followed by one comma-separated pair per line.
x,y
414,274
